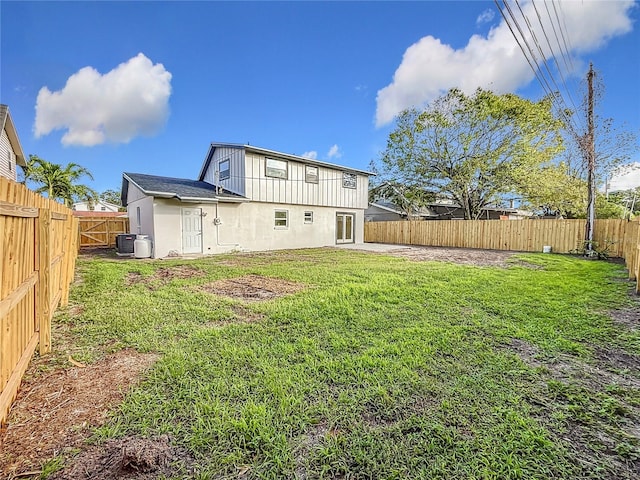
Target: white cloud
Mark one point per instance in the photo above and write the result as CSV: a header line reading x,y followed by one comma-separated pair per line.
x,y
626,178
334,152
429,67
486,16
129,101
313,155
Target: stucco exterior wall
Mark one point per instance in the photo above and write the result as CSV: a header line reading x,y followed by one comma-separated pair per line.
x,y
247,227
134,193
145,225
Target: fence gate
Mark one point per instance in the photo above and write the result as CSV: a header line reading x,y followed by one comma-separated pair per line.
x,y
101,231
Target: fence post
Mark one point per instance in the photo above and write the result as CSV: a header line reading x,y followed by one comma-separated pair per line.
x,y
66,275
43,298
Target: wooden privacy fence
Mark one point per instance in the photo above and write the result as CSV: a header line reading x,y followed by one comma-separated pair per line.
x,y
38,249
619,237
96,232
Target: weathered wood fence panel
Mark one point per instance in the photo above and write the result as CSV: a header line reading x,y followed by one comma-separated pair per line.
x,y
621,238
96,232
38,248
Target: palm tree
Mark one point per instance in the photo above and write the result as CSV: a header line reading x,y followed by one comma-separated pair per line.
x,y
58,182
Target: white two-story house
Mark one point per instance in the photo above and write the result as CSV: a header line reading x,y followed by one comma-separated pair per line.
x,y
248,198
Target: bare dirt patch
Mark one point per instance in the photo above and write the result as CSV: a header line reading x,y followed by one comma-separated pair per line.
x,y
241,314
307,443
162,276
55,413
627,317
608,368
252,287
465,256
129,458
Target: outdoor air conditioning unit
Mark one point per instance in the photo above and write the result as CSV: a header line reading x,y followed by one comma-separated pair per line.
x,y
124,244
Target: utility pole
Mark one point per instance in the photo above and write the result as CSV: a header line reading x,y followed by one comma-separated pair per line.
x,y
589,152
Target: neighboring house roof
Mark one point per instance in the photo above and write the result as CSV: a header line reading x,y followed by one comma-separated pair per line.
x,y
273,153
392,208
387,206
181,188
7,124
430,210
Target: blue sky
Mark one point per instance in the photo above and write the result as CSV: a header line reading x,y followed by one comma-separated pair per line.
x,y
146,86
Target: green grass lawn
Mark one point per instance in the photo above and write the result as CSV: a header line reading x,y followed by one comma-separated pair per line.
x,y
381,368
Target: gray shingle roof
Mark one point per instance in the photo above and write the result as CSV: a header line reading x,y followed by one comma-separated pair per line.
x,y
180,188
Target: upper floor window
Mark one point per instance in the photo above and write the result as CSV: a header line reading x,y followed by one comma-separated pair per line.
x,y
310,174
9,158
349,180
276,168
225,169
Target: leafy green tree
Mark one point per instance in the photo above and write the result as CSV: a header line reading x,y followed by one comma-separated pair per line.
x,y
58,182
554,190
111,196
608,207
472,149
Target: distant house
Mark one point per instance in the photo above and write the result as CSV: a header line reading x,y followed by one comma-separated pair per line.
x,y
11,154
248,198
97,206
382,211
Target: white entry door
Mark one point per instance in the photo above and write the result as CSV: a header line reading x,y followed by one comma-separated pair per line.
x,y
191,230
344,228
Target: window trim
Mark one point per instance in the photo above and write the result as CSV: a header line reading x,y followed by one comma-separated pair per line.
x,y
308,217
228,170
306,174
346,180
286,168
276,219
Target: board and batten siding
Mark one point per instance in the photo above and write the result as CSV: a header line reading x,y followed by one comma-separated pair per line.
x,y
328,192
7,158
235,183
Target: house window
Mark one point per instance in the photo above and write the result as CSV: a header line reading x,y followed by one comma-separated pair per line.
x,y
310,174
281,219
104,209
308,217
349,180
92,207
276,168
225,169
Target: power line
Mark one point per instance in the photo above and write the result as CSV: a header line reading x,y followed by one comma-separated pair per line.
x,y
554,56
554,94
564,54
564,40
532,60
